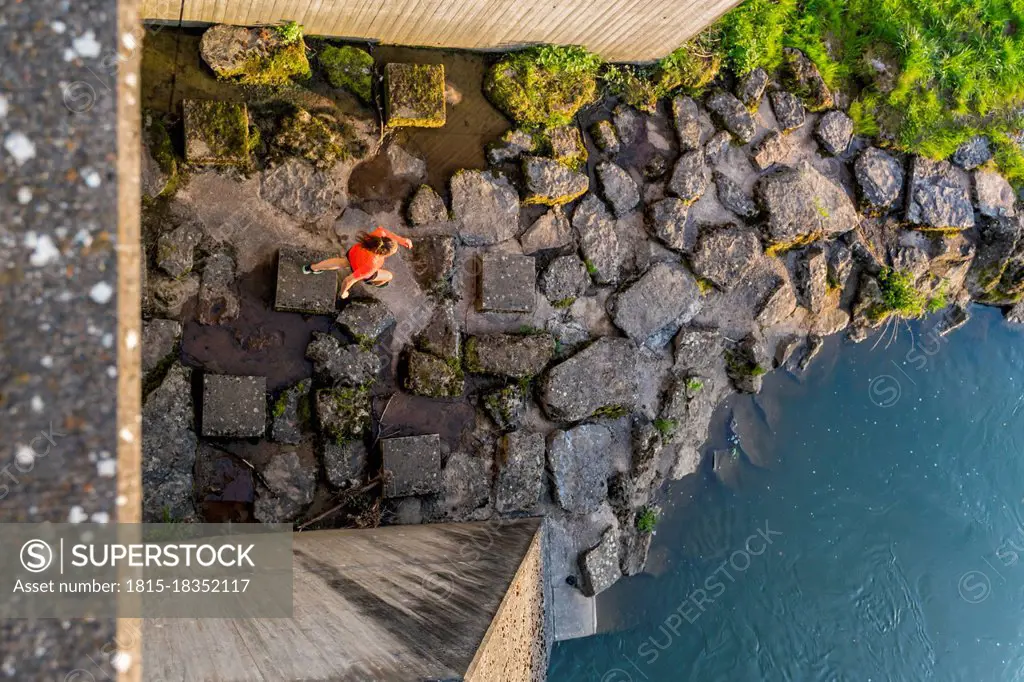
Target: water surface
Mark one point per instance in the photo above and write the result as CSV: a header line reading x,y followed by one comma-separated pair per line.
x,y
884,543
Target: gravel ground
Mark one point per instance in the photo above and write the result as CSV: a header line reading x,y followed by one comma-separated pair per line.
x,y
58,299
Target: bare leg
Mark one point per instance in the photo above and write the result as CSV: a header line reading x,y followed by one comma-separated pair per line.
x,y
347,284
382,277
329,264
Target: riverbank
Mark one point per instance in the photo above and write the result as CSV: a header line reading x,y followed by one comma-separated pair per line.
x,y
578,300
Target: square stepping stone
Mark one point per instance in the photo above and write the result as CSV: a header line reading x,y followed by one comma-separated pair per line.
x,y
414,95
234,406
508,283
414,463
216,133
299,293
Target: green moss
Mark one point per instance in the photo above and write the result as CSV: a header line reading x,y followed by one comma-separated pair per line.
x,y
705,285
591,268
280,405
647,520
938,300
471,356
350,410
565,145
694,385
162,150
781,248
276,65
216,132
666,427
543,87
415,95
611,412
289,32
738,366
564,302
349,68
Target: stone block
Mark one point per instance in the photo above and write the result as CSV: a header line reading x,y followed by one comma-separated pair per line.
x,y
508,283
299,293
414,95
234,406
520,471
414,463
216,133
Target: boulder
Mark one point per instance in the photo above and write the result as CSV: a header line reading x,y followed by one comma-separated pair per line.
x,y
879,177
812,278
301,293
652,309
405,165
465,490
344,463
811,348
169,449
690,177
286,415
666,220
803,76
218,303
602,375
165,296
518,356
789,111
487,205
605,137
696,349
772,149
716,147
550,231
341,365
687,119
253,56
750,88
551,183
431,376
349,68
801,205
939,196
343,414
618,187
426,207
834,132
567,147
508,283
608,259
316,138
512,145
414,95
174,250
365,319
732,197
286,489
441,335
564,280
433,263
840,264
723,254
580,463
506,406
299,190
776,304
746,363
732,115
996,270
599,565
630,125
234,406
994,195
161,341
520,471
414,463
973,153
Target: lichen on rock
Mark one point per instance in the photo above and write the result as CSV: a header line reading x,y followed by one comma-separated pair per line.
x,y
414,95
216,133
254,56
317,138
350,68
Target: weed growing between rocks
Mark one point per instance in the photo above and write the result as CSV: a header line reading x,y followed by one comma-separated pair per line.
x,y
647,520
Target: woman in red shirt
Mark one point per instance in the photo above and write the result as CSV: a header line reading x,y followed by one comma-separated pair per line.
x,y
366,259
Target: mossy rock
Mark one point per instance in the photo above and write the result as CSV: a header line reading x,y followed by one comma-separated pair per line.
x,y
318,139
161,150
216,133
543,87
349,68
343,413
254,56
414,95
567,147
431,376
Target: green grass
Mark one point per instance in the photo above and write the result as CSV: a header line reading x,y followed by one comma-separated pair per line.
x,y
289,32
938,300
647,520
899,295
666,427
958,65
694,385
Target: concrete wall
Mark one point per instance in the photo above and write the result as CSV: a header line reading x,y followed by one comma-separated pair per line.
x,y
618,30
394,604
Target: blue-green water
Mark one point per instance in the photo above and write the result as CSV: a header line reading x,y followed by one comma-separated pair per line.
x,y
885,542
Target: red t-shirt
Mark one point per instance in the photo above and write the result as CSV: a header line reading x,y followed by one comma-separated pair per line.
x,y
364,262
